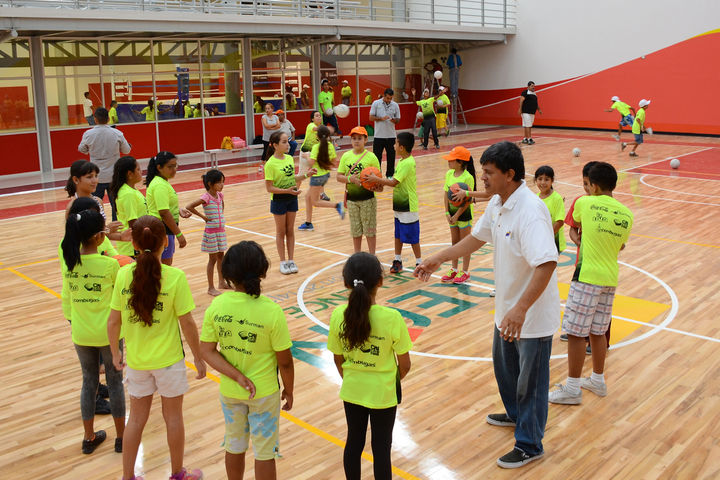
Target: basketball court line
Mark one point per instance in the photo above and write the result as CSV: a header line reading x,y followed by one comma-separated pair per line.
x,y
630,169
642,180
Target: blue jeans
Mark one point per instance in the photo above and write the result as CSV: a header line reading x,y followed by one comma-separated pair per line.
x,y
293,147
522,372
100,193
332,120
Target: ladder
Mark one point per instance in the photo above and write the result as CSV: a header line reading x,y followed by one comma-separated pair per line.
x,y
457,107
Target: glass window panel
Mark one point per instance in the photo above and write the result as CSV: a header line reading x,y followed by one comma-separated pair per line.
x,y
298,72
267,74
222,93
221,56
81,55
120,58
171,55
66,97
16,98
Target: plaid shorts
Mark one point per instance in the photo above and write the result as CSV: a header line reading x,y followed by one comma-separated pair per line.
x,y
588,309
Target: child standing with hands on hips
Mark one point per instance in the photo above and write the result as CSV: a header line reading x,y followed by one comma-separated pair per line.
x,y
245,337
370,344
152,303
214,241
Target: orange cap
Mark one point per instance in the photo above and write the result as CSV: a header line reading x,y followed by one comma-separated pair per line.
x,y
458,153
359,130
279,112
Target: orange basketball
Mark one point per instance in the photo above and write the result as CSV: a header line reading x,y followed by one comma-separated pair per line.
x,y
453,189
366,183
123,259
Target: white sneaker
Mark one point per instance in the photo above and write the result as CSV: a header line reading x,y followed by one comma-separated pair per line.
x,y
292,267
284,268
616,137
599,389
562,396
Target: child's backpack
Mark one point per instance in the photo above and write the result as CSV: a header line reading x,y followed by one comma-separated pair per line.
x,y
227,143
238,142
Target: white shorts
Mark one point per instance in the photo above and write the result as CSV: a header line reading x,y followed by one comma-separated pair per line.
x,y
168,382
527,119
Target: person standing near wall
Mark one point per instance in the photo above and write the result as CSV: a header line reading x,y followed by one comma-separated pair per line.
x,y
346,93
526,110
454,62
386,114
305,97
88,109
326,100
112,113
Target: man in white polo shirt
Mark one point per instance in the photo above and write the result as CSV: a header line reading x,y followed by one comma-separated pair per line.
x,y
385,113
527,302
104,144
88,109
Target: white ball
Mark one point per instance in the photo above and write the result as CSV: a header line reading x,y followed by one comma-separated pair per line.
x,y
328,112
420,116
437,74
440,103
649,131
576,152
675,163
341,110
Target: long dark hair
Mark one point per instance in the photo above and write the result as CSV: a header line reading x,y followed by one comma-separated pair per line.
x,y
245,265
122,167
212,177
79,168
362,274
148,235
274,140
469,166
79,229
323,157
157,161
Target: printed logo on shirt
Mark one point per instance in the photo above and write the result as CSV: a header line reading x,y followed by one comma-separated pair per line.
x,y
249,336
93,287
289,170
223,332
71,275
159,306
244,321
73,287
621,223
223,319
372,350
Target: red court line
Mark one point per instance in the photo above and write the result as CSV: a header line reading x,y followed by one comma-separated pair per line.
x,y
703,165
648,139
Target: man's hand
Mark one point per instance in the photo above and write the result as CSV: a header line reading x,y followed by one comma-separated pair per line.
x,y
511,325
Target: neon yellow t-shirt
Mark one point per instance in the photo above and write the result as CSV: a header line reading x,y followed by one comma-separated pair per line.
x,y
282,173
427,106
158,346
370,372
346,92
311,138
112,115
622,107
405,197
357,193
368,99
446,103
314,154
188,111
86,293
257,108
325,99
130,205
248,331
556,206
197,112
606,225
639,122
149,114
450,180
160,195
105,249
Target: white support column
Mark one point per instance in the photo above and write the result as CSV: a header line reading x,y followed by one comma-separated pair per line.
x,y
42,121
315,75
248,101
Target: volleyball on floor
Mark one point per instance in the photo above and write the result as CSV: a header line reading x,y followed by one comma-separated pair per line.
x,y
454,188
367,184
576,152
341,110
675,163
328,112
437,74
440,103
420,116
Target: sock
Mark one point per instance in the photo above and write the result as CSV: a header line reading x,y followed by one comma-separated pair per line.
x,y
597,377
398,258
283,263
418,261
573,386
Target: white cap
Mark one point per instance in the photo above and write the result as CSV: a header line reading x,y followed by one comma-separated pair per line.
x,y
368,90
294,89
442,88
615,98
345,81
305,85
644,103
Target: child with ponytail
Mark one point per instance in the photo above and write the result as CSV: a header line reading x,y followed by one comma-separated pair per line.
x,y
245,337
129,202
371,346
162,201
86,304
149,301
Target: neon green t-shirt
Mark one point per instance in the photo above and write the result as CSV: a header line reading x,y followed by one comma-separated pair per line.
x,y
346,92
314,154
158,346
130,205
105,249
606,225
311,138
370,372
188,111
357,193
446,103
368,99
405,197
160,195
639,122
282,174
257,108
427,106
325,99
149,114
197,112
450,180
86,293
622,107
248,331
112,115
556,206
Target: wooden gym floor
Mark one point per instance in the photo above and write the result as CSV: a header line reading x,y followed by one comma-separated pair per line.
x,y
661,418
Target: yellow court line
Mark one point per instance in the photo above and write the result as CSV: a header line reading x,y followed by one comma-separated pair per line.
x,y
676,241
37,284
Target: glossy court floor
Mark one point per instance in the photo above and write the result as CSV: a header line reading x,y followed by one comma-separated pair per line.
x,y
661,418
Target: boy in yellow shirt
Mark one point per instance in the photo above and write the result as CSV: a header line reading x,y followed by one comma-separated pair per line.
x,y
638,127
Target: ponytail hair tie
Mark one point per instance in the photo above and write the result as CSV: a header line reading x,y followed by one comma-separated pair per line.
x,y
357,282
77,217
147,250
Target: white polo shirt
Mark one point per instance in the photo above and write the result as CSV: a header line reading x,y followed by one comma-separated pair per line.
x,y
522,235
104,144
385,128
87,107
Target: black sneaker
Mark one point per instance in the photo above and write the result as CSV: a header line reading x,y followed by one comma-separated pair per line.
x,y
118,445
563,337
524,141
588,350
102,406
531,141
103,391
500,420
516,458
396,266
89,446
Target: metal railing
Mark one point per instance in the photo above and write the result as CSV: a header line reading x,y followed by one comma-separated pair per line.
x,y
482,13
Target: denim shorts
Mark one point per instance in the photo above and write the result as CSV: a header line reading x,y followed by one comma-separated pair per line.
x,y
281,207
627,121
319,181
169,251
638,138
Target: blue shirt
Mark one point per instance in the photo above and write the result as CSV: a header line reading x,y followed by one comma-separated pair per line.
x,y
451,61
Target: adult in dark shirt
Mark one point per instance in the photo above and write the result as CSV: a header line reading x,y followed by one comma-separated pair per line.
x,y
526,110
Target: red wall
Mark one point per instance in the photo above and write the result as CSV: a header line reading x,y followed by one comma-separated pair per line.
x,y
20,153
181,136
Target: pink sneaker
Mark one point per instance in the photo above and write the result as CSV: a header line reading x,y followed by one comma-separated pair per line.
x,y
183,474
462,278
449,277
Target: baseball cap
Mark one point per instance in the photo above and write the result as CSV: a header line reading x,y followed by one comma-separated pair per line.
x,y
294,89
458,153
305,85
442,88
368,90
345,81
644,103
279,112
615,98
359,130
